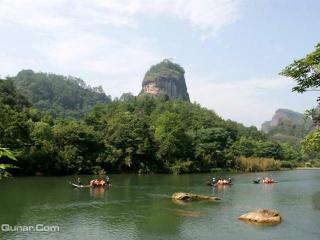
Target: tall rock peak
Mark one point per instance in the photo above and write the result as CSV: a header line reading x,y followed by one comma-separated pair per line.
x,y
287,119
166,78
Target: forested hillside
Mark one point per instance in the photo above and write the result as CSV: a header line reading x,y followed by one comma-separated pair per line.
x,y
58,95
15,112
133,134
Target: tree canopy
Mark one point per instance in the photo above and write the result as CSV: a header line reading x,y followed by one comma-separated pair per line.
x,y
167,69
58,95
305,71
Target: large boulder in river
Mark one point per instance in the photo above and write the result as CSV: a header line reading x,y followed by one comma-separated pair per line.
x,y
262,216
183,196
165,79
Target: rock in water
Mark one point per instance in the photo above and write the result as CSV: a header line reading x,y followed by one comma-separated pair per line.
x,y
262,216
182,196
167,79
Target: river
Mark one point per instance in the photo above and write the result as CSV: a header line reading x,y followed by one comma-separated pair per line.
x,y
140,207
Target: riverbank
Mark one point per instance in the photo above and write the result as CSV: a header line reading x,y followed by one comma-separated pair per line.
x,y
308,168
247,165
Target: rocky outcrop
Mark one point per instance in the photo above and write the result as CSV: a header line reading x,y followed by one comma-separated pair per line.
x,y
266,216
287,126
183,196
166,78
287,120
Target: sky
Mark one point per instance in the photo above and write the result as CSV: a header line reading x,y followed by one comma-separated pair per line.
x,y
232,50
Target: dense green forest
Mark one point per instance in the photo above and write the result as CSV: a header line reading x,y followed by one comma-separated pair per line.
x,y
130,134
58,95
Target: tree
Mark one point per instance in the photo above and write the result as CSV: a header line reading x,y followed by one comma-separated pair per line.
x,y
6,153
127,97
269,150
210,146
290,153
78,146
311,142
306,72
173,143
129,143
245,147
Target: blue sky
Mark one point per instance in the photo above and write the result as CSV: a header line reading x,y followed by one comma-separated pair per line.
x,y
232,50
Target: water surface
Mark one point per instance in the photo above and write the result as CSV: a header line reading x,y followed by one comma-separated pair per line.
x,y
139,207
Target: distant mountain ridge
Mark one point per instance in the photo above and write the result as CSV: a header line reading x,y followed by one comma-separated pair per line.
x,y
287,125
58,95
286,118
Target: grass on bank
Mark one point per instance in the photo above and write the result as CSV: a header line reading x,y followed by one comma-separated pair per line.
x,y
255,164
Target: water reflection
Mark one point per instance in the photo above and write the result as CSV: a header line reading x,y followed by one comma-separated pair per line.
x,y
316,201
221,190
194,214
179,202
97,192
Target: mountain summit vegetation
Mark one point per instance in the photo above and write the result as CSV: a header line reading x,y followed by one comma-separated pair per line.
x,y
58,95
167,79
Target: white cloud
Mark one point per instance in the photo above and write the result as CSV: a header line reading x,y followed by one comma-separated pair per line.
x,y
209,16
70,48
117,65
206,16
111,12
244,101
100,54
35,13
49,14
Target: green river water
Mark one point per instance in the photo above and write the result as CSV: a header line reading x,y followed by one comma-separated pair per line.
x,y
140,207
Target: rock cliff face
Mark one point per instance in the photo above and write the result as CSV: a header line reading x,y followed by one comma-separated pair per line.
x,y
287,126
286,118
166,78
